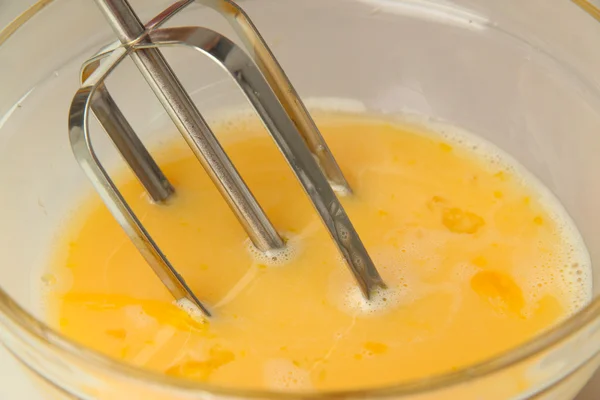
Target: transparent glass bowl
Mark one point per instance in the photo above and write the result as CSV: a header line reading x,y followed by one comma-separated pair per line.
x,y
524,75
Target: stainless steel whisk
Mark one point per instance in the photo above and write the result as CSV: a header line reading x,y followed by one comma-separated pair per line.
x,y
265,85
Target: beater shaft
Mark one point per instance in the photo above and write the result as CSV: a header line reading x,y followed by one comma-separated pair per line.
x,y
83,150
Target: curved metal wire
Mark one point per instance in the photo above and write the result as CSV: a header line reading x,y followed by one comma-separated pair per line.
x,y
285,92
85,155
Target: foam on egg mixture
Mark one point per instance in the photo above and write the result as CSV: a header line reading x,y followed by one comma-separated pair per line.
x,y
477,255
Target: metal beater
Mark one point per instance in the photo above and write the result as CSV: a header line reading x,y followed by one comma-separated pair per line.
x,y
265,85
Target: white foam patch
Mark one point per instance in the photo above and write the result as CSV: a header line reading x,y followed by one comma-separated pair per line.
x,y
191,309
577,281
381,301
339,189
572,280
350,299
278,257
282,374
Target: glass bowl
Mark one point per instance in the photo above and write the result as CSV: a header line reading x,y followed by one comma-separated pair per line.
x,y
521,74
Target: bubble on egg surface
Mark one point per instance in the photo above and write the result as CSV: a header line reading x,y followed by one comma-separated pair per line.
x,y
191,309
575,279
283,374
275,257
380,301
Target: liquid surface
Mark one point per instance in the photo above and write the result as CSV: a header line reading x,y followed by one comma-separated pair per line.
x,y
477,258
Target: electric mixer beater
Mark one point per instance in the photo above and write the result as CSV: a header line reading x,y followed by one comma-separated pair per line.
x,y
267,88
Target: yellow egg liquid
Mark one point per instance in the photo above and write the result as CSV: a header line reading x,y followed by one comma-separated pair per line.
x,y
477,257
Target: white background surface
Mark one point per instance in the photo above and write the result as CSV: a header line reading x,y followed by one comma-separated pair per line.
x,y
13,382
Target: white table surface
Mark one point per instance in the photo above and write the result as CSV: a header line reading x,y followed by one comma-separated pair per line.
x,y
13,382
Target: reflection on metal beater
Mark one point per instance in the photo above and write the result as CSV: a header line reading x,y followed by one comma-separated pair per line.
x,y
266,87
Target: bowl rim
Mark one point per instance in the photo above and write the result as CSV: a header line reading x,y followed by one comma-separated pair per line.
x,y
22,326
